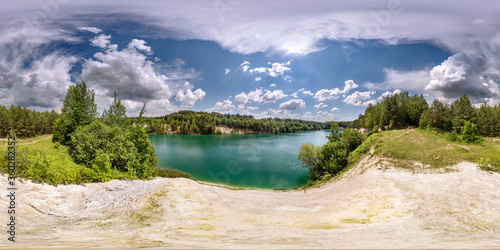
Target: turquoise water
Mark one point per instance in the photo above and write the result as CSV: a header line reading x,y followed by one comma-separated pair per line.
x,y
263,161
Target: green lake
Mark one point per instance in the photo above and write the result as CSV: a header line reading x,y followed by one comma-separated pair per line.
x,y
263,161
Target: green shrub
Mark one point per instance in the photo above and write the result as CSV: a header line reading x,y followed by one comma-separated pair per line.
x,y
128,151
170,173
469,133
351,139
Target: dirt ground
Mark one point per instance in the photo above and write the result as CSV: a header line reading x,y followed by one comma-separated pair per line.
x,y
372,206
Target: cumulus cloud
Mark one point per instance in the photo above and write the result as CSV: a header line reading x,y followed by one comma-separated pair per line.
x,y
360,98
189,98
140,45
90,29
307,92
225,106
240,100
101,41
137,79
389,93
293,104
276,69
320,106
272,85
227,71
464,74
254,96
349,85
327,94
272,96
334,109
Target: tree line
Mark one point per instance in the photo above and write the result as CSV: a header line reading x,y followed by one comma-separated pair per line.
x,y
192,122
401,110
26,122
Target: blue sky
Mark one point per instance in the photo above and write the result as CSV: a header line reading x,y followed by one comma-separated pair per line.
x,y
315,60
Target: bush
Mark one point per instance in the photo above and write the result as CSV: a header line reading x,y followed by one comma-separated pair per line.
x,y
170,173
104,148
469,133
351,139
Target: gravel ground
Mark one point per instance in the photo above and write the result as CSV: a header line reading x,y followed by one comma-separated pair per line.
x,y
371,206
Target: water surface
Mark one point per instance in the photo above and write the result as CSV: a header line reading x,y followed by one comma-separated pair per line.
x,y
263,161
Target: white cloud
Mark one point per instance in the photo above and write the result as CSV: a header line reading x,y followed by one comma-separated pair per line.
x,y
406,80
334,109
389,93
327,94
272,85
90,29
252,108
255,95
320,106
257,79
137,79
276,69
293,104
360,98
101,41
225,106
189,98
241,100
227,71
269,113
464,74
140,45
349,85
272,96
307,92
245,66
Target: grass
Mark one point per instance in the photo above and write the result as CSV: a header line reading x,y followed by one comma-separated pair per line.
x,y
170,173
431,149
41,160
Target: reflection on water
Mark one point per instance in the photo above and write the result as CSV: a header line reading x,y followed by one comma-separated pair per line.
x,y
263,161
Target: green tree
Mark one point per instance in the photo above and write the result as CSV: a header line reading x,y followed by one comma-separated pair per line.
x,y
461,111
116,114
334,132
80,109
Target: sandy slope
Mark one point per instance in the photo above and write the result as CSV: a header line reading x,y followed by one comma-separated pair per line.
x,y
372,206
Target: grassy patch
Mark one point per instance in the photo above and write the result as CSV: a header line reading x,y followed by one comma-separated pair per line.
x,y
432,150
170,173
355,221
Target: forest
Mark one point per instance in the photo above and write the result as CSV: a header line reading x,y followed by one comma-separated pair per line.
x,y
401,110
192,122
26,122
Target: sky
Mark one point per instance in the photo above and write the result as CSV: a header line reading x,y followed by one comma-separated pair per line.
x,y
316,60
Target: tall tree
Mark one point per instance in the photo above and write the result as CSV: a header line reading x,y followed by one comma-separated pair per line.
x,y
461,111
79,109
116,113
